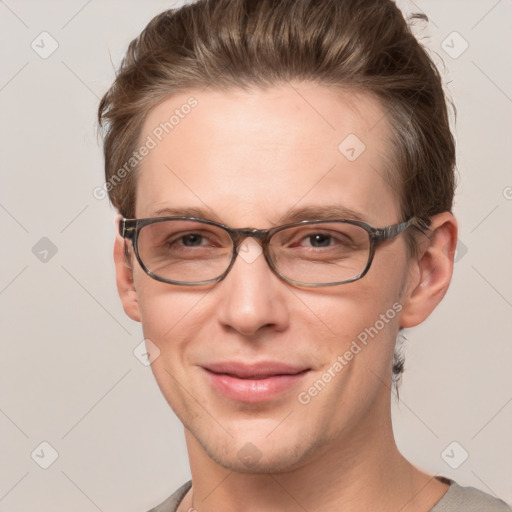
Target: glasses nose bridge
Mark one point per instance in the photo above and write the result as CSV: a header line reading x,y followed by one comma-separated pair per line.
x,y
239,235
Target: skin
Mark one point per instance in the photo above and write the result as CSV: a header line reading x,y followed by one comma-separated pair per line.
x,y
247,158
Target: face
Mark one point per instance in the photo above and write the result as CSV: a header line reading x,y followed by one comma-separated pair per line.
x,y
251,159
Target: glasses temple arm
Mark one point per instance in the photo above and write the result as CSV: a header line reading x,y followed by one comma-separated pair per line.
x,y
394,230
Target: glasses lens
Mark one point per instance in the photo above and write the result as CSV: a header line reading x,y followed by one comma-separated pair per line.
x,y
321,253
184,251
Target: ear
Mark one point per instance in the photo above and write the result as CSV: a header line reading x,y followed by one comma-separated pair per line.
x,y
431,271
124,277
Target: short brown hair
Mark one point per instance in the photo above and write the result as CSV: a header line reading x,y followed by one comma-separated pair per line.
x,y
363,45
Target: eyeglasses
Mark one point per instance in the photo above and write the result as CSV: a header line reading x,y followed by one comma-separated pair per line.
x,y
190,251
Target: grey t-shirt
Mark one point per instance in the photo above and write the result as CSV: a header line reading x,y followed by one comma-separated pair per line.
x,y
456,499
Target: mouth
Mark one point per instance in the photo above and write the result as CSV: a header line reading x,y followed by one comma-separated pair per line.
x,y
257,377
258,382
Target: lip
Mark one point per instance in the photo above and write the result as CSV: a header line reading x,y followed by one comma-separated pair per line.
x,y
258,370
255,382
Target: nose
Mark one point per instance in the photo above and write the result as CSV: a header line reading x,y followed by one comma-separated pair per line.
x,y
253,297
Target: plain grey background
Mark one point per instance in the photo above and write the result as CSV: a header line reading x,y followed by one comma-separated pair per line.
x,y
68,375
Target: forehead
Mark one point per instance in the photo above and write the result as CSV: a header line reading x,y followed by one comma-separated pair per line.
x,y
250,156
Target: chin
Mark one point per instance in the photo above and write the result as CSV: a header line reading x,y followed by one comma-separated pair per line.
x,y
249,459
258,454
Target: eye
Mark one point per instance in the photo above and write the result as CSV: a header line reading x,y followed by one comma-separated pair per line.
x,y
191,239
319,239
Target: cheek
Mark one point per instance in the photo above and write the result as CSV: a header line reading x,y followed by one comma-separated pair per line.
x,y
344,312
168,312
356,363
171,319
360,320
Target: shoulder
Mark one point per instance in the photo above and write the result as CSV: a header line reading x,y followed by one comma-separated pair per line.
x,y
456,499
172,502
468,499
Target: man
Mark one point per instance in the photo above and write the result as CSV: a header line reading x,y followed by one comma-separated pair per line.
x,y
284,177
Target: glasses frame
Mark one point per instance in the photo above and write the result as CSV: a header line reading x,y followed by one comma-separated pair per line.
x,y
129,229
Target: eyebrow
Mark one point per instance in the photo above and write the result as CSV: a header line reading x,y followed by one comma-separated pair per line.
x,y
320,212
189,211
317,212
